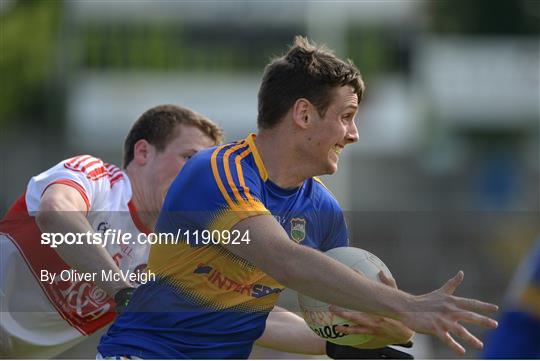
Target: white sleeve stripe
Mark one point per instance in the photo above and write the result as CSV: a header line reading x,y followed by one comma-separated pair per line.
x,y
74,159
97,174
90,162
92,168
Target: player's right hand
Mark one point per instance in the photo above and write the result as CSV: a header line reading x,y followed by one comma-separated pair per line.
x,y
439,313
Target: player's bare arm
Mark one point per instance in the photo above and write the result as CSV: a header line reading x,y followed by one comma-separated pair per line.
x,y
288,332
436,313
62,210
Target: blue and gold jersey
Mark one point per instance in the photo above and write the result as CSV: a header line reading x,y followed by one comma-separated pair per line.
x,y
206,302
518,334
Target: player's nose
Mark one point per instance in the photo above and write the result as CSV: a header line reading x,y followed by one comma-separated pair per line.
x,y
352,133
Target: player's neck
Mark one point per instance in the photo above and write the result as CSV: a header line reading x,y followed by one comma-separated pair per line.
x,y
279,157
142,199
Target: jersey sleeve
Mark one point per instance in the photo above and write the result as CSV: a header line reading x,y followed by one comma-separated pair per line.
x,y
86,174
214,191
337,233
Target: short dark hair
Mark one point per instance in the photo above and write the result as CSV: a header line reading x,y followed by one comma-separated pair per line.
x,y
157,126
305,71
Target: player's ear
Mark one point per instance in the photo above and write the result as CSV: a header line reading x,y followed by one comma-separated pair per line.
x,y
302,113
142,151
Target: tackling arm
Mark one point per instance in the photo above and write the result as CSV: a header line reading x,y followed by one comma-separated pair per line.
x,y
62,210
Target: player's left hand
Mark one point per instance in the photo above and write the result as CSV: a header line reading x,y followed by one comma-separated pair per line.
x,y
385,331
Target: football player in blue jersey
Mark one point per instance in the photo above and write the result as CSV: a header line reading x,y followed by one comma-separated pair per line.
x,y
254,219
518,334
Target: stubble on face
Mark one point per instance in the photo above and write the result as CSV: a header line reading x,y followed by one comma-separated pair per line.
x,y
331,133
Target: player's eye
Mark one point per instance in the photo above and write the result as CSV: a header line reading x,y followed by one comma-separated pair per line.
x,y
188,156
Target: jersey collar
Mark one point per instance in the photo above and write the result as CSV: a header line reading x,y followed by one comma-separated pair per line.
x,y
258,160
136,220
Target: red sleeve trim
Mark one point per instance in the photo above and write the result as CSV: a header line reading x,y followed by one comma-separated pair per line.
x,y
76,186
136,220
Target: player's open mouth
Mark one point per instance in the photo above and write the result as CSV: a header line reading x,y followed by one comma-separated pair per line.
x,y
337,149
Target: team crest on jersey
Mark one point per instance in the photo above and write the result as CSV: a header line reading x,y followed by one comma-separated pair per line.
x,y
298,229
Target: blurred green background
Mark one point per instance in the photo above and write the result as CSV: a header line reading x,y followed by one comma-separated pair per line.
x,y
446,174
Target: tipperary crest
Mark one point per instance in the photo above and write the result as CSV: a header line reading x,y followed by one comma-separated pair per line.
x,y
298,229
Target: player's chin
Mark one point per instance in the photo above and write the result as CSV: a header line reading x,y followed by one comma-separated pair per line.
x,y
332,166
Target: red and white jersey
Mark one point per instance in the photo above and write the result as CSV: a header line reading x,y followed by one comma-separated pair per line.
x,y
59,312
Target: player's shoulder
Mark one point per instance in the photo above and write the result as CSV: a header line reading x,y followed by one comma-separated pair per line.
x,y
231,153
90,167
222,159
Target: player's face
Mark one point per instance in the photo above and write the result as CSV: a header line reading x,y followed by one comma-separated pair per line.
x,y
335,130
167,164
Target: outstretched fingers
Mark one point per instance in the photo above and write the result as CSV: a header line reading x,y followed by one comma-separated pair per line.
x,y
450,286
477,319
354,316
363,321
476,305
450,310
448,329
466,336
445,337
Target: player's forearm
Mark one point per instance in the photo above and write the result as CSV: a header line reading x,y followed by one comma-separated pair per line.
x,y
58,216
311,272
94,259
